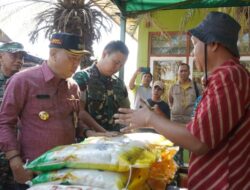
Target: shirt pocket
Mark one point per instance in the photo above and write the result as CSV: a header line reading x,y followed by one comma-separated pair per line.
x,y
96,98
41,102
38,103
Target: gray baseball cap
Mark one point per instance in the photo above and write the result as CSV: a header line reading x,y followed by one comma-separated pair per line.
x,y
12,47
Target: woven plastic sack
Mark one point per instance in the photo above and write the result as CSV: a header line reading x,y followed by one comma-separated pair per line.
x,y
152,142
92,178
132,180
145,140
62,187
103,156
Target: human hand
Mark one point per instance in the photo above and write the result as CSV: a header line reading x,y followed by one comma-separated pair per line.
x,y
106,133
111,133
20,174
133,118
158,110
138,70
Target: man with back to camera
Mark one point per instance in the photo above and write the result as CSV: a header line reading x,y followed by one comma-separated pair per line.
x,y
46,102
11,61
143,90
219,134
103,92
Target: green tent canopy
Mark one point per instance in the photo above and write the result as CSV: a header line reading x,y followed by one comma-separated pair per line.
x,y
130,7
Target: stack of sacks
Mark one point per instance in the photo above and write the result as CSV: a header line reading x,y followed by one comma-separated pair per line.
x,y
125,162
61,187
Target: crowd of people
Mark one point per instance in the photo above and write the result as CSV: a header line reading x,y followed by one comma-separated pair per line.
x,y
50,105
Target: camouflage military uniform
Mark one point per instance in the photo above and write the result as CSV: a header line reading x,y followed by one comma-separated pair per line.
x,y
5,171
3,80
104,95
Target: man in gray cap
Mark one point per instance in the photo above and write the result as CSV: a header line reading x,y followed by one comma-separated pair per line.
x,y
11,61
219,134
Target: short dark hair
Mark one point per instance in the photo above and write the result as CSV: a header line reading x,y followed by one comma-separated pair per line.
x,y
115,46
147,73
183,64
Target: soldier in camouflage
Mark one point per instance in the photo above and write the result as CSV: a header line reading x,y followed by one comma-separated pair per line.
x,y
11,61
102,92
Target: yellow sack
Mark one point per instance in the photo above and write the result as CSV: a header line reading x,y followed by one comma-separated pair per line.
x,y
152,142
62,187
91,178
144,140
162,172
104,156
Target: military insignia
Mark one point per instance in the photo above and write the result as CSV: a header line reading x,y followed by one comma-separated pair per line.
x,y
56,41
43,115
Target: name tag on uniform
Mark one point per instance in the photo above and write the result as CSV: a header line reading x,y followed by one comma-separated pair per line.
x,y
42,96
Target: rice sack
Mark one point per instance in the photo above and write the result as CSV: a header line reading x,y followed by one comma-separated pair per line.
x,y
92,178
62,187
103,156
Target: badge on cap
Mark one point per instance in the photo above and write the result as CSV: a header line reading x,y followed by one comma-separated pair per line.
x,y
43,115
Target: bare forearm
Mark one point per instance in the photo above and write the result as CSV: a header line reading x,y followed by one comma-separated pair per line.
x,y
132,81
11,153
177,133
90,122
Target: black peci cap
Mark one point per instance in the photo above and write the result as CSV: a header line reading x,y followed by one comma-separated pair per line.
x,y
69,42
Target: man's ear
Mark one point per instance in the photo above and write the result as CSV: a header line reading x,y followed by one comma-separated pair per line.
x,y
104,53
214,46
52,54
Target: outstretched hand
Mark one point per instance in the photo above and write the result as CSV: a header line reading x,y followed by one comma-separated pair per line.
x,y
133,119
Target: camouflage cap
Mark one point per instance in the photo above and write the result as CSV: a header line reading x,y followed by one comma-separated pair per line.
x,y
12,47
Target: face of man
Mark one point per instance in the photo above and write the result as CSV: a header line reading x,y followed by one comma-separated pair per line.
x,y
157,92
112,62
11,62
183,73
146,79
198,53
63,63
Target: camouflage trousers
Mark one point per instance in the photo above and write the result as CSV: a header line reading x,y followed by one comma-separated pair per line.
x,y
6,177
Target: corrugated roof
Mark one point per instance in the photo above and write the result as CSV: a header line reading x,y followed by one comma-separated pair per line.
x,y
4,37
112,11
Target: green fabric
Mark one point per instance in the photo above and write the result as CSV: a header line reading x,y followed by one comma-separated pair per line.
x,y
12,47
139,6
104,96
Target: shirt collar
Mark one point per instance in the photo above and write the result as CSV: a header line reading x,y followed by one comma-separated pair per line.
x,y
48,73
178,82
97,73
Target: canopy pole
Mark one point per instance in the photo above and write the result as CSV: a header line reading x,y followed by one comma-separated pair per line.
x,y
122,38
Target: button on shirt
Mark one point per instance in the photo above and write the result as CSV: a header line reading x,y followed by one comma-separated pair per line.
x,y
27,94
